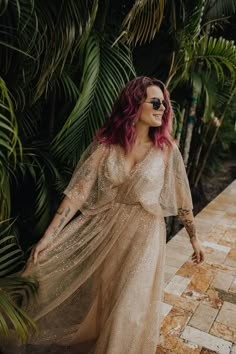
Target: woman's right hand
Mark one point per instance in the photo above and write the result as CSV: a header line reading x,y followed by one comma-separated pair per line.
x,y
40,247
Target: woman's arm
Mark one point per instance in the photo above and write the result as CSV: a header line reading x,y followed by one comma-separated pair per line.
x,y
63,215
187,218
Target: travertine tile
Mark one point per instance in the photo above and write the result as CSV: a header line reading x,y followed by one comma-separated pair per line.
x,y
162,350
222,281
187,269
177,285
165,309
232,253
174,322
228,218
203,317
208,351
220,330
212,298
169,273
181,302
232,288
233,349
180,242
207,340
216,246
215,257
227,315
201,279
230,262
179,346
224,268
195,296
174,261
214,237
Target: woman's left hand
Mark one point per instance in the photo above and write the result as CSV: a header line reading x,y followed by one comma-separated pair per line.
x,y
198,254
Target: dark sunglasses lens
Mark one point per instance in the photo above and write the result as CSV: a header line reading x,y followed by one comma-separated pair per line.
x,y
156,104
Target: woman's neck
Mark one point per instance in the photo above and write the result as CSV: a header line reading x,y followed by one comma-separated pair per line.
x,y
142,134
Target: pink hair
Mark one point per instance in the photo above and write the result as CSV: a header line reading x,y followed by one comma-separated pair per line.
x,y
119,128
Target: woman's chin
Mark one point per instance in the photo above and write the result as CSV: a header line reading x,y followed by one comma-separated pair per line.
x,y
156,124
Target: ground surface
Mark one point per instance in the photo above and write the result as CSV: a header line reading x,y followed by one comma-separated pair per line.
x,y
199,305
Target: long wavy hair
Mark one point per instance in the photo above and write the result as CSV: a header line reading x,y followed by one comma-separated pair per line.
x,y
120,126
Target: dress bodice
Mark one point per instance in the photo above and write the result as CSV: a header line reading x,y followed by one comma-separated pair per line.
x,y
142,184
158,182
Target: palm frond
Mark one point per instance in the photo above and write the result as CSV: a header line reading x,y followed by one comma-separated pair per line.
x,y
217,9
21,322
73,128
40,167
10,148
143,21
13,288
192,18
218,54
106,70
66,26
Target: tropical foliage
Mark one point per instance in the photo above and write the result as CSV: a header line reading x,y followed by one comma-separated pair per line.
x,y
63,64
13,288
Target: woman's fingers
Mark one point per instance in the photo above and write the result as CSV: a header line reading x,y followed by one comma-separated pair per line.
x,y
197,257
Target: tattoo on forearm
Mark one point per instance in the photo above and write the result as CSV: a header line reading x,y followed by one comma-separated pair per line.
x,y
56,229
188,224
61,222
67,211
54,232
183,212
190,228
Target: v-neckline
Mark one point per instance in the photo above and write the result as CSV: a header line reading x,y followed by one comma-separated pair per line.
x,y
138,163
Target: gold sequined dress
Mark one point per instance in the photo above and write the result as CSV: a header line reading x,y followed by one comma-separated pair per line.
x,y
101,280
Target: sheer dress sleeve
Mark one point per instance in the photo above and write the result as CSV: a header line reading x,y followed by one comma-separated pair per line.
x,y
175,195
85,174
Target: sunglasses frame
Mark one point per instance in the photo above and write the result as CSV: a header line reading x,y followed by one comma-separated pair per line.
x,y
156,103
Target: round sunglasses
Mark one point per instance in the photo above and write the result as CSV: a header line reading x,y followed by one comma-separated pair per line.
x,y
156,103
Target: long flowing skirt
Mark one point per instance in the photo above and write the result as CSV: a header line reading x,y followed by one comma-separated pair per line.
x,y
100,285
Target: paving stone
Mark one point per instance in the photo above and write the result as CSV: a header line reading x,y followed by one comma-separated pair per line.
x,y
207,340
233,286
177,285
165,309
203,317
208,351
227,315
201,280
187,269
179,346
216,246
181,302
200,301
222,281
175,321
233,349
220,330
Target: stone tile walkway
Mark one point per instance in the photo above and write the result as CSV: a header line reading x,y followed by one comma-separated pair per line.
x,y
199,308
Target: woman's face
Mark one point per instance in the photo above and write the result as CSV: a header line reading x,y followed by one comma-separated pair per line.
x,y
148,115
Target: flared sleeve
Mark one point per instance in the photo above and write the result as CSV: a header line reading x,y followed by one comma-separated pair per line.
x,y
175,194
85,175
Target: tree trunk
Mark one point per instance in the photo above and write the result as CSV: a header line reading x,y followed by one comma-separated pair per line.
x,y
190,125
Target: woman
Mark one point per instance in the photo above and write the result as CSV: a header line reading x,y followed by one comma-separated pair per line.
x,y
101,275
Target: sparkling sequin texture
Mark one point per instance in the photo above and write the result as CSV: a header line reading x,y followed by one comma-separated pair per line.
x,y
101,279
